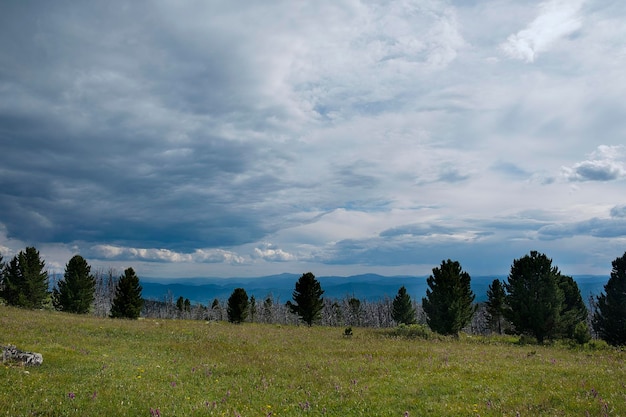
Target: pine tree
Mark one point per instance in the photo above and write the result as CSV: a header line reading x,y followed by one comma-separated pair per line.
x,y
76,290
449,300
573,311
496,304
127,302
308,299
238,306
180,304
534,298
609,319
402,308
25,280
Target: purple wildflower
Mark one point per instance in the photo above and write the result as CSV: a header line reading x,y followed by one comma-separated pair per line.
x,y
71,395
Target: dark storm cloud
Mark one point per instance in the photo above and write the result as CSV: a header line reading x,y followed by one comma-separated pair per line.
x,y
110,135
182,133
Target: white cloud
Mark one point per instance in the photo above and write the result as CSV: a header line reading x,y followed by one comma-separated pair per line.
x,y
557,19
164,255
217,256
607,163
271,253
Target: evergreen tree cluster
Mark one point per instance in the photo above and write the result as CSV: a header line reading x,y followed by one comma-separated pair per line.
x,y
536,299
24,282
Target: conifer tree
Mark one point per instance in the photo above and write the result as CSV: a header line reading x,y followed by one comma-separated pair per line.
x,y
496,303
609,319
77,288
534,299
573,311
25,282
127,302
238,306
402,308
308,299
449,300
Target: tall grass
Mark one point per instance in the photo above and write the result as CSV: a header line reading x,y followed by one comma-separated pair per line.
x,y
95,367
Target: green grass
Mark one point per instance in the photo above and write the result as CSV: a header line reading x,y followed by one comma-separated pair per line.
x,y
195,368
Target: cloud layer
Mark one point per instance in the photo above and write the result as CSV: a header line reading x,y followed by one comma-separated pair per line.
x,y
191,138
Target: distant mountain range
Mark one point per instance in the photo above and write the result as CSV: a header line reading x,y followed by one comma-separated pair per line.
x,y
370,287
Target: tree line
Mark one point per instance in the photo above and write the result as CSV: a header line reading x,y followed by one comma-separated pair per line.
x,y
536,299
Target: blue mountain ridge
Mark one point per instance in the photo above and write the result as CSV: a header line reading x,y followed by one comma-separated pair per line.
x,y
368,287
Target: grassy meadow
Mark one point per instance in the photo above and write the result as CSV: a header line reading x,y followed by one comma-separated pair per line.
x,y
95,367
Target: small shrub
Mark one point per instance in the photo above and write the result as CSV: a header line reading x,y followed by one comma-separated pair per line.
x,y
597,344
525,339
581,333
347,332
411,331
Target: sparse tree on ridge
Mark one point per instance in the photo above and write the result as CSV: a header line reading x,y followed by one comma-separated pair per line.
x,y
496,304
609,319
308,299
238,306
25,282
402,308
449,300
75,293
127,302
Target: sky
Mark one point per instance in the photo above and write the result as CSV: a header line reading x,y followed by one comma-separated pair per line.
x,y
235,139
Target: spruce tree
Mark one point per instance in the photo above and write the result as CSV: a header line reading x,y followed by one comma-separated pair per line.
x,y
308,299
25,280
238,306
449,303
402,308
127,302
76,290
609,319
496,303
573,311
180,304
534,299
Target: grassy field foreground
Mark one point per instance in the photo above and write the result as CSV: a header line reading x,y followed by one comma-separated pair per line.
x,y
165,368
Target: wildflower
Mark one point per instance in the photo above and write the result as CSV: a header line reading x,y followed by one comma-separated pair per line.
x,y
155,412
71,395
406,414
93,396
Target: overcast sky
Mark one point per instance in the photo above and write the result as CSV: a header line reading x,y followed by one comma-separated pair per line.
x,y
246,138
